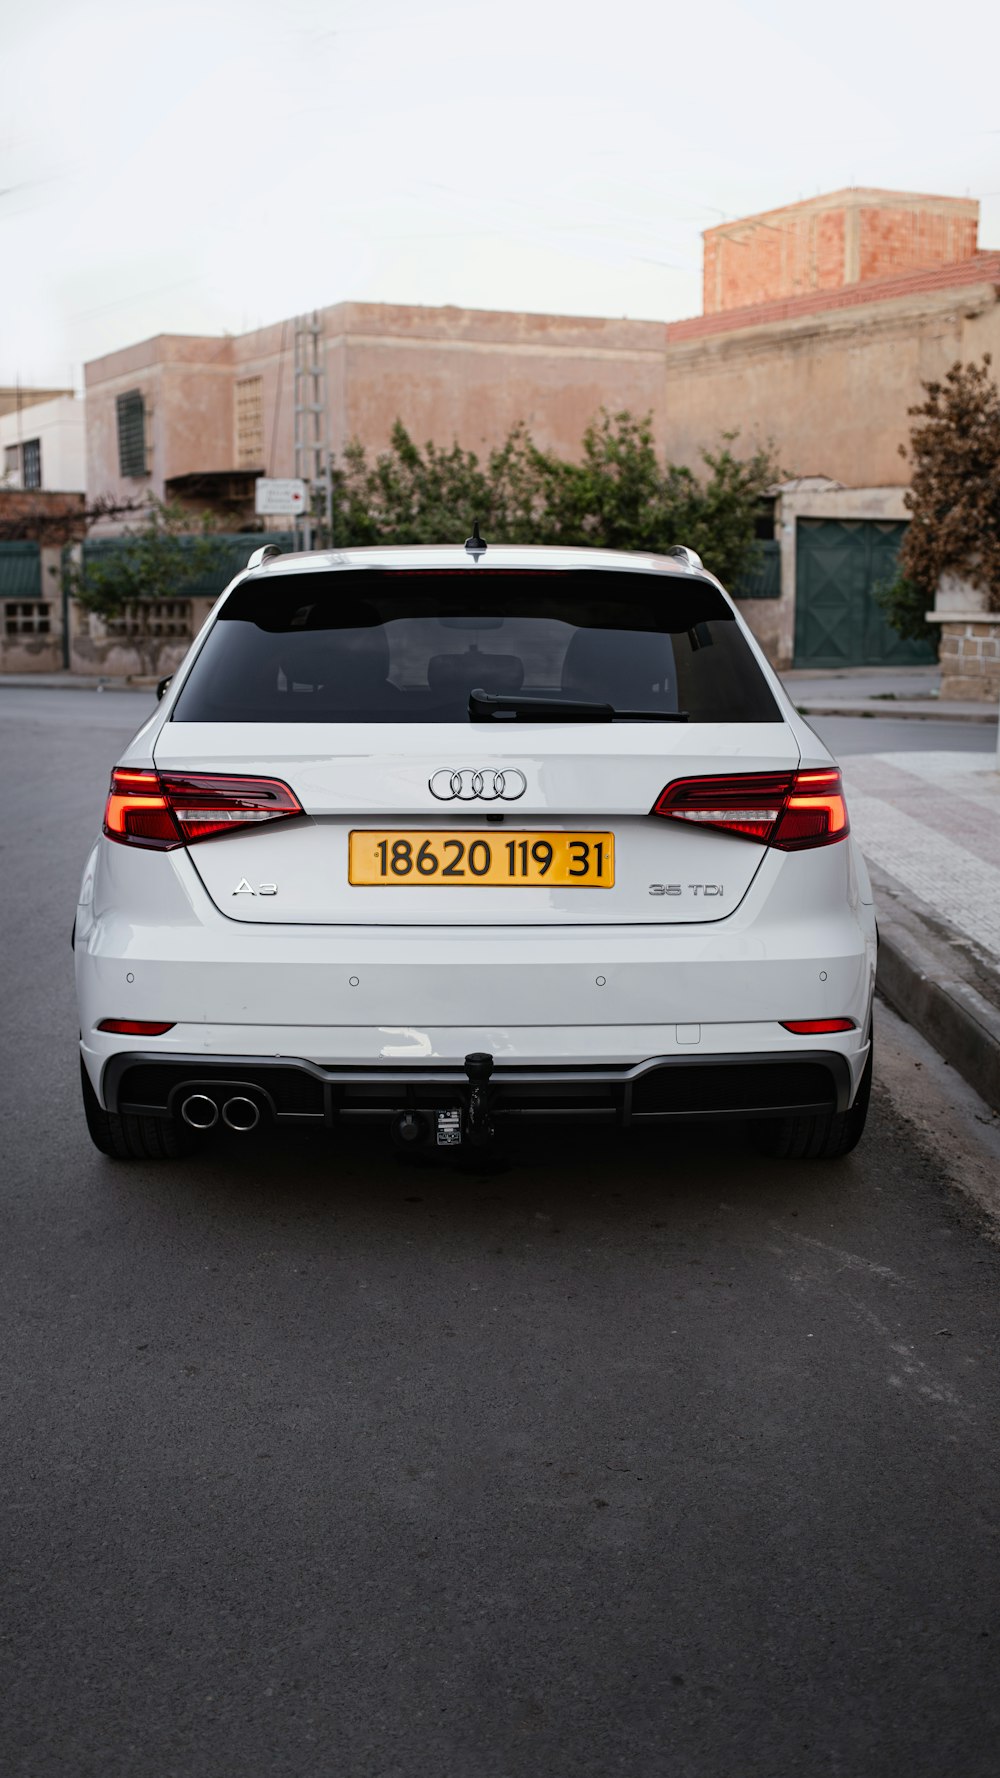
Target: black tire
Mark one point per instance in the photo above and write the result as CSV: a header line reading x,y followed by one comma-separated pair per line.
x,y
824,1137
134,1138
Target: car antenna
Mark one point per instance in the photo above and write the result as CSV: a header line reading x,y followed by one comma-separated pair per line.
x,y
474,544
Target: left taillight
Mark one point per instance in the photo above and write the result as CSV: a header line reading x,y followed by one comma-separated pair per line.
x,y
160,810
790,810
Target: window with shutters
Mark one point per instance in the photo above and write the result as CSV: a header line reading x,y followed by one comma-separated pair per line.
x,y
250,423
31,463
130,410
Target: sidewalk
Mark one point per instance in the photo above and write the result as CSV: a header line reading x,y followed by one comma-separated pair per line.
x,y
929,826
880,691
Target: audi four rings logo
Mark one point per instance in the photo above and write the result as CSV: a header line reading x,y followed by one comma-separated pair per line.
x,y
467,786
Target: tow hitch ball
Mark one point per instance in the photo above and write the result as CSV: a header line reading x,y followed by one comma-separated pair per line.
x,y
478,1123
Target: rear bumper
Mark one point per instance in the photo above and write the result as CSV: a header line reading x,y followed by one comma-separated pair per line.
x,y
405,1005
290,1090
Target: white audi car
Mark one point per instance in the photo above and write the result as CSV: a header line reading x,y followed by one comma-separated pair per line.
x,y
458,838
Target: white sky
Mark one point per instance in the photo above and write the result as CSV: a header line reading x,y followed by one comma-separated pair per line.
x,y
207,165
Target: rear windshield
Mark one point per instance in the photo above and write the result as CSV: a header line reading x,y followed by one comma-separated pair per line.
x,y
378,645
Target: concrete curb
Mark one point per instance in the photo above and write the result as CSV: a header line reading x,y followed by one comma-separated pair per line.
x,y
72,682
939,985
910,711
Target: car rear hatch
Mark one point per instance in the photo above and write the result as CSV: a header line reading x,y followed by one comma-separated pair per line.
x,y
357,690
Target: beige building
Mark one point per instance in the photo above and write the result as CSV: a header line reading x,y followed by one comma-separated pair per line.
x,y
821,321
13,397
201,419
828,377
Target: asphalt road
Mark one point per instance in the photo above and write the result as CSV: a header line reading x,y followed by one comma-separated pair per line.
x,y
640,1457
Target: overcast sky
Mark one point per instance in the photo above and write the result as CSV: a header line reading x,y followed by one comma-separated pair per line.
x,y
197,167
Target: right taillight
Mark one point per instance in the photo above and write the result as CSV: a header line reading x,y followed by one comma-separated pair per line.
x,y
815,813
160,810
790,810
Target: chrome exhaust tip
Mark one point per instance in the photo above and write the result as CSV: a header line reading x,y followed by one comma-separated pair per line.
x,y
241,1114
200,1111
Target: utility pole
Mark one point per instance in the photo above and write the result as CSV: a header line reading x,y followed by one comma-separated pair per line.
x,y
312,451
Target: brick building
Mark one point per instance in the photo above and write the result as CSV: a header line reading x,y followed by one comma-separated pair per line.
x,y
831,243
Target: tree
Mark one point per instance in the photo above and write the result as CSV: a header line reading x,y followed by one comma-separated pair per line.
x,y
718,515
616,496
157,560
954,496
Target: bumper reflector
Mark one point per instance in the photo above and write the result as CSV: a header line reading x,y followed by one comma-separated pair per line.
x,y
816,1027
136,1027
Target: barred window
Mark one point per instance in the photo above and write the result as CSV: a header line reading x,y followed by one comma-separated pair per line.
x,y
250,423
27,617
130,410
31,463
151,617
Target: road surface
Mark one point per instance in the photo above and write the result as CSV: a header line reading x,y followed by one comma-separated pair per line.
x,y
639,1457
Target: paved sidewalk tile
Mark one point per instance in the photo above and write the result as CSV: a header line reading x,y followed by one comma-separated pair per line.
x,y
933,821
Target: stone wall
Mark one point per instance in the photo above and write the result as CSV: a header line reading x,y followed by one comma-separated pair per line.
x,y
117,651
970,658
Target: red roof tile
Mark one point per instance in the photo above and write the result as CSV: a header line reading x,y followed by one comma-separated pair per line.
x,y
983,268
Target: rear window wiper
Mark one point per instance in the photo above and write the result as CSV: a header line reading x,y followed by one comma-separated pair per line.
x,y
484,706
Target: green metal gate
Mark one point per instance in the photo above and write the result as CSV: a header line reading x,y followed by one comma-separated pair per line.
x,y
838,621
20,571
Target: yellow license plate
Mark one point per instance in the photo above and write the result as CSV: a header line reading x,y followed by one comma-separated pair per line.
x,y
511,860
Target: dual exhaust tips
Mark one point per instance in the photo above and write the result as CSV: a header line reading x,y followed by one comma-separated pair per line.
x,y
202,1112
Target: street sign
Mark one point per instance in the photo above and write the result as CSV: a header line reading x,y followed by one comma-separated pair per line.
x,y
274,497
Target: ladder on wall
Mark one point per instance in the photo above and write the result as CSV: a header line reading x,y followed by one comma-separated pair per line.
x,y
312,445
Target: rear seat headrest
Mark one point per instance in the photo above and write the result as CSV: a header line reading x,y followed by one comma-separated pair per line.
x,y
462,673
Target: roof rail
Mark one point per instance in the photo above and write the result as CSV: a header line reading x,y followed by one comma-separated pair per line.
x,y
689,557
262,555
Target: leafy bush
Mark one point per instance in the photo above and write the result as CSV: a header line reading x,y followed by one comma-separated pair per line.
x,y
158,559
617,496
905,604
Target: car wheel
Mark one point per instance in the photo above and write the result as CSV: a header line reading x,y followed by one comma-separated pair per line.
x,y
133,1138
823,1137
